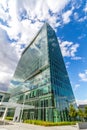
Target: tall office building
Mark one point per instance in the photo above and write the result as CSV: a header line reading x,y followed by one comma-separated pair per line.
x,y
41,79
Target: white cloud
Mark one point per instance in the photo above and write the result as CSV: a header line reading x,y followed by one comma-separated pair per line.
x,y
76,86
82,36
74,49
85,9
66,16
35,10
76,16
65,47
82,19
76,58
83,76
3,15
81,102
69,49
4,4
8,60
57,5
67,64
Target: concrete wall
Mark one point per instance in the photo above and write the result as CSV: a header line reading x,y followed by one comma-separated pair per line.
x,y
82,125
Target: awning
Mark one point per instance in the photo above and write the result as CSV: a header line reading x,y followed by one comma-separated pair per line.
x,y
14,105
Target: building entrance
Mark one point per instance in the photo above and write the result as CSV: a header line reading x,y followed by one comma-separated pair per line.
x,y
32,115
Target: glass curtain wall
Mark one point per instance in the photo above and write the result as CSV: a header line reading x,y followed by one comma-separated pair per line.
x,y
61,87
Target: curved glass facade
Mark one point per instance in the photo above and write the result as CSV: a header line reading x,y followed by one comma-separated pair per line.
x,y
41,79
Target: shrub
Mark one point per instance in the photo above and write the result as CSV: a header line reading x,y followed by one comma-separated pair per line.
x,y
45,123
9,118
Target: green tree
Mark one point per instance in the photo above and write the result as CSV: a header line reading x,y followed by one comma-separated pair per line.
x,y
72,112
81,114
85,113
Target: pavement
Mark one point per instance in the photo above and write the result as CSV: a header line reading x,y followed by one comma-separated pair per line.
x,y
22,126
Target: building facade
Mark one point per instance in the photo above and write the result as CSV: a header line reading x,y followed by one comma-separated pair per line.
x,y
82,106
41,79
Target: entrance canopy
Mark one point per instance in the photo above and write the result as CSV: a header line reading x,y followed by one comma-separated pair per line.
x,y
15,105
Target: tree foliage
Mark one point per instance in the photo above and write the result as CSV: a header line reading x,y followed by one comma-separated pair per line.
x,y
81,114
72,112
85,113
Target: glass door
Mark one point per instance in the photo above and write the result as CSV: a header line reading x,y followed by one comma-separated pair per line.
x,y
32,115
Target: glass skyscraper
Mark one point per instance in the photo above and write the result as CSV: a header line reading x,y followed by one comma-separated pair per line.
x,y
41,79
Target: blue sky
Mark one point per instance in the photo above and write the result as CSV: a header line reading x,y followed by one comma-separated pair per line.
x,y
21,19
